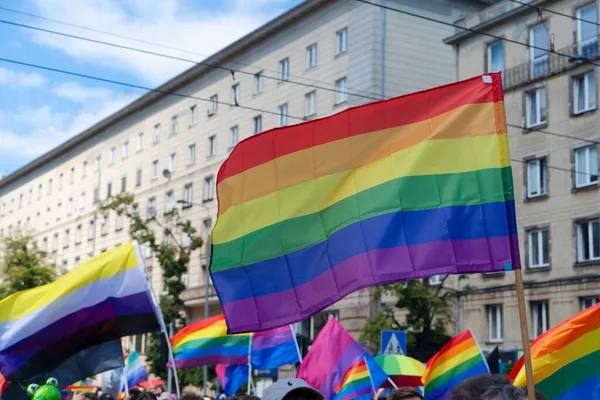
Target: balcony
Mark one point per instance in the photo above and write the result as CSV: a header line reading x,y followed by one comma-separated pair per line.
x,y
195,295
551,64
489,14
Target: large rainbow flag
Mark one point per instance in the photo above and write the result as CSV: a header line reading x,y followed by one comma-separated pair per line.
x,y
566,359
206,342
458,360
401,189
104,298
356,383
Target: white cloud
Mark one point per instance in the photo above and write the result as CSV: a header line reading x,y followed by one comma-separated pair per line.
x,y
81,94
17,79
165,22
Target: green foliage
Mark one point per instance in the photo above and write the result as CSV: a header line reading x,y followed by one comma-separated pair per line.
x,y
173,260
428,312
23,266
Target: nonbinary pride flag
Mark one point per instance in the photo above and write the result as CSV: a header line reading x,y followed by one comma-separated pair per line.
x,y
104,298
407,188
566,358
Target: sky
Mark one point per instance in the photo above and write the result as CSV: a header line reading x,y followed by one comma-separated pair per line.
x,y
41,109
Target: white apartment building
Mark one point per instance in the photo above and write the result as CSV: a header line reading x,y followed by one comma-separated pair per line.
x,y
315,60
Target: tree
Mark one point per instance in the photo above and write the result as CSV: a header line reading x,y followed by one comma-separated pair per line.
x,y
429,311
173,258
23,266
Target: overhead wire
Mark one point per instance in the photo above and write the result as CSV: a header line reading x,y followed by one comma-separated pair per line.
x,y
544,9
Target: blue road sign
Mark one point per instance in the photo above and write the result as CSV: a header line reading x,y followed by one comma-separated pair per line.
x,y
393,342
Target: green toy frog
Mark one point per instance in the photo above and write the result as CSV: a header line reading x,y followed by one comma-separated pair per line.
x,y
49,391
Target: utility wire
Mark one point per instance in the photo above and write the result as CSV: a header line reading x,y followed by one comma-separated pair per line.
x,y
557,134
136,86
555,12
153,53
472,30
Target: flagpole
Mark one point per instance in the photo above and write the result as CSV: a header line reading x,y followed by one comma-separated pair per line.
x,y
250,363
159,316
294,367
370,377
525,334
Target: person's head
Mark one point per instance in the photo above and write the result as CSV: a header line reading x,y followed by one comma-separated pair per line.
x,y
291,389
538,395
89,396
144,396
503,392
474,388
406,393
105,396
134,392
190,396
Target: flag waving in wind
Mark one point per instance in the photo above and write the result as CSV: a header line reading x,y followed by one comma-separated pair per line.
x,y
356,384
232,377
134,370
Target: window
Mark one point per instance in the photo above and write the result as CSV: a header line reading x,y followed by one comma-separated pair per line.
x,y
209,188
584,93
588,241
96,194
311,327
49,186
84,169
341,41
282,118
66,239
587,32
151,207
20,201
235,95
495,329
535,107
91,229
538,39
148,252
29,197
214,102
140,142
138,177
55,243
537,178
587,302
104,225
538,249
187,241
44,244
112,156
284,70
259,79
78,233
136,210
60,181
82,201
234,136
12,205
39,191
125,150
191,153
309,103
193,115
156,132
311,56
169,202
120,222
71,208
138,344
72,176
340,91
539,315
586,166
123,183
154,169
212,145
174,124
168,238
172,162
257,124
109,189
495,57
188,194
98,163
435,280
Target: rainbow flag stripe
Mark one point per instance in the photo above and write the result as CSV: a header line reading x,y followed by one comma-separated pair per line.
x,y
458,360
104,298
206,342
356,383
401,189
566,358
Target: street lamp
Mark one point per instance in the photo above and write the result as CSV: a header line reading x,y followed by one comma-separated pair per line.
x,y
206,274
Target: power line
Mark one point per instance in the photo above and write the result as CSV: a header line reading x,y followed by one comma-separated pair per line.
x,y
472,30
557,134
555,12
136,86
153,53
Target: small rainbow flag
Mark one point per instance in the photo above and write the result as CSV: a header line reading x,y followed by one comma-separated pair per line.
x,y
206,342
566,358
356,384
458,360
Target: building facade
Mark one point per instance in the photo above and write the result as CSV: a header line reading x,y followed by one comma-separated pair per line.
x,y
551,110
315,60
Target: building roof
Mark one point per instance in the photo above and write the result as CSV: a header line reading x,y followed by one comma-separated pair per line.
x,y
221,57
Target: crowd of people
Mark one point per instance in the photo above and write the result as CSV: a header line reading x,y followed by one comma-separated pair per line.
x,y
482,387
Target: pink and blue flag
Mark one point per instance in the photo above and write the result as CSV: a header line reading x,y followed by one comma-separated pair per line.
x,y
135,371
274,348
333,353
232,377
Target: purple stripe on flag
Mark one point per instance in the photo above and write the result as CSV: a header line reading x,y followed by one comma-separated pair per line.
x,y
368,269
352,355
274,337
209,360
